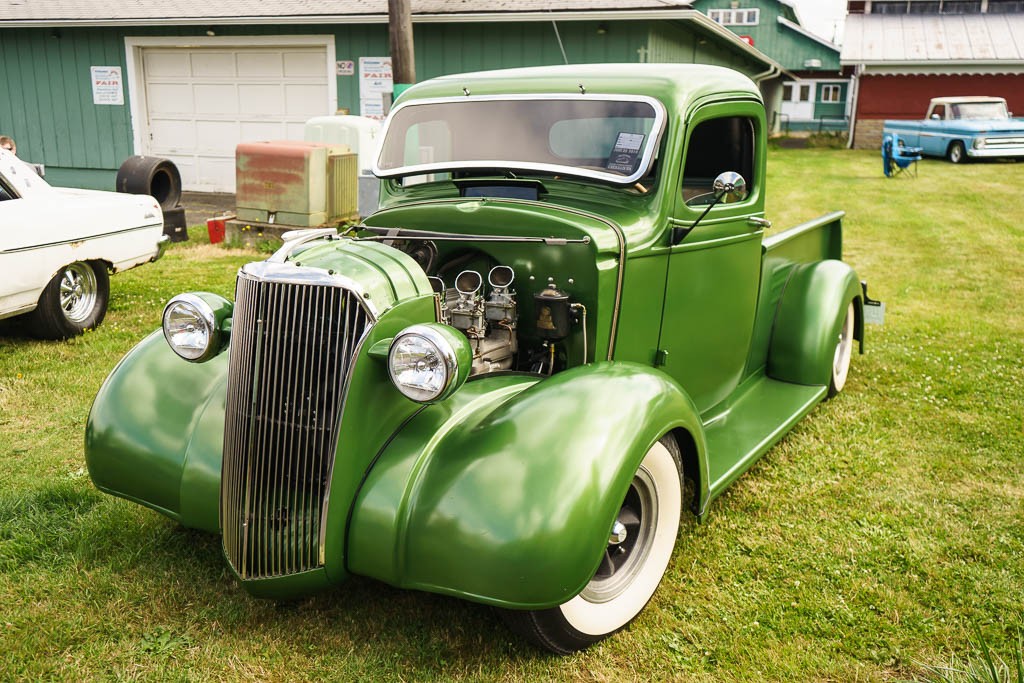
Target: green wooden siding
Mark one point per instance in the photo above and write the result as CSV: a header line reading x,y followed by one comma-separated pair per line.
x,y
786,46
49,109
48,106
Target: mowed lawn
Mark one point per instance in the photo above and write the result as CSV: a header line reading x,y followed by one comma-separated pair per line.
x,y
876,539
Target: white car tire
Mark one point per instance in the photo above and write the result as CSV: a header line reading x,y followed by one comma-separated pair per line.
x,y
73,301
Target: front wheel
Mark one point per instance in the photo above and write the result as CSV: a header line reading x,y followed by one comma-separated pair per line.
x,y
75,300
639,548
957,154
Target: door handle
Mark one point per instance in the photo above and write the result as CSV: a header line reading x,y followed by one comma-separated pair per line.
x,y
760,222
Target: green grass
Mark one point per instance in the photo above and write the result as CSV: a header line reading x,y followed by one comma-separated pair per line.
x,y
882,537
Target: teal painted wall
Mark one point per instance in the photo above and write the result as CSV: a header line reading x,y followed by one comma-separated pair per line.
x,y
786,46
831,109
48,106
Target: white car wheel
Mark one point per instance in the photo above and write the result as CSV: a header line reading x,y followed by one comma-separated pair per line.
x,y
75,300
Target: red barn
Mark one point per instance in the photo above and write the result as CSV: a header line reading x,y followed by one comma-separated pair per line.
x,y
904,53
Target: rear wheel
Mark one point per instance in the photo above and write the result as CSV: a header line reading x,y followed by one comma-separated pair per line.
x,y
75,300
956,153
639,548
843,353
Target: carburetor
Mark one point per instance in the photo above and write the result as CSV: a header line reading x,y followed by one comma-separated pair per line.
x,y
489,324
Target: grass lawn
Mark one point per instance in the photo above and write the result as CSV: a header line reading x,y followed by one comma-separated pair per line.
x,y
873,541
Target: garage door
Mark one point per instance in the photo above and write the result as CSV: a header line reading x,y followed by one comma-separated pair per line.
x,y
201,102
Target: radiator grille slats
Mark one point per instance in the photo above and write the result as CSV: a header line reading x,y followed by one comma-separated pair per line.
x,y
291,348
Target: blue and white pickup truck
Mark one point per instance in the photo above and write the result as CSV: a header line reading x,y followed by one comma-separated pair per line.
x,y
959,128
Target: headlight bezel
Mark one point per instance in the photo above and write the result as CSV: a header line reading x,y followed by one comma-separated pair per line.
x,y
453,352
208,309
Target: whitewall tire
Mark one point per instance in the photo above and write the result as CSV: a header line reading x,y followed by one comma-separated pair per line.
x,y
639,549
843,353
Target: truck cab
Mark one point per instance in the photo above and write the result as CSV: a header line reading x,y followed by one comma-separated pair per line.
x,y
499,384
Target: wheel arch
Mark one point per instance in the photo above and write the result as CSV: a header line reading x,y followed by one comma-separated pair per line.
x,y
808,318
510,502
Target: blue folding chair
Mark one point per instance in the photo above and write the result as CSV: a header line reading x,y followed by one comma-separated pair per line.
x,y
897,158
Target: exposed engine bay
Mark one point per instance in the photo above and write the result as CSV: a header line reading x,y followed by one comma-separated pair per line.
x,y
487,312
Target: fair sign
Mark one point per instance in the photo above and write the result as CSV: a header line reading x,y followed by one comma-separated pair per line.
x,y
106,85
375,82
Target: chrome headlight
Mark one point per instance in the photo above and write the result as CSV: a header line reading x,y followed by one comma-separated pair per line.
x,y
427,363
193,325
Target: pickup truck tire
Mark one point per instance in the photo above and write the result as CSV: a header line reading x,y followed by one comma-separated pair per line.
x,y
631,568
75,300
843,353
956,152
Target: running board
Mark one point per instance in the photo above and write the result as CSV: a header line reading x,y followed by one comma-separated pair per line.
x,y
752,425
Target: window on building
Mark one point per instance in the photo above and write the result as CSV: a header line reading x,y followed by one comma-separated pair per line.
x,y
831,93
961,7
787,92
735,17
717,146
924,7
805,93
1005,6
889,7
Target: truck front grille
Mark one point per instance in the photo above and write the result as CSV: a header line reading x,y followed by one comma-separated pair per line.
x,y
291,348
1004,142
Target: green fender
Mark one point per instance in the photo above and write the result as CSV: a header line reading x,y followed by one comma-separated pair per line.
x,y
506,493
155,431
808,320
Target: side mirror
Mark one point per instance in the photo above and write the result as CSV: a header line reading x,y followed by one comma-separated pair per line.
x,y
730,187
934,117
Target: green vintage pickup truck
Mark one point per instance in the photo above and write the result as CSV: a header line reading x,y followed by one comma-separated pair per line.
x,y
564,327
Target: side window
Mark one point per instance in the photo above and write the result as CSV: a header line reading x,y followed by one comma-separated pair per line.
x,y
717,146
5,194
940,111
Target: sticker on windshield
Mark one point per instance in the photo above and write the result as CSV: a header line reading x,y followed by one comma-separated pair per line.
x,y
625,153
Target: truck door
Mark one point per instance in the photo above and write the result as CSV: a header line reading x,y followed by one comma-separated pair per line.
x,y
714,270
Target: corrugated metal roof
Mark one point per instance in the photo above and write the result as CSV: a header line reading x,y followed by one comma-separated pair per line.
x,y
150,10
918,38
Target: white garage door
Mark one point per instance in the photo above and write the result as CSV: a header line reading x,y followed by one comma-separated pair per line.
x,y
201,102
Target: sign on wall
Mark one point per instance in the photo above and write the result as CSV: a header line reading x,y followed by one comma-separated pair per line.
x,y
107,85
375,86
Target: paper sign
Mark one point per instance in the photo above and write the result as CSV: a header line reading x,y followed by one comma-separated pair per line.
x,y
106,85
375,81
345,67
625,153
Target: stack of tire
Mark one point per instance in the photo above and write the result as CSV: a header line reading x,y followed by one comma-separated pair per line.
x,y
160,179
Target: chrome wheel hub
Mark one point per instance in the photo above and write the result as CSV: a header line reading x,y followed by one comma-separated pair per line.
x,y
78,292
629,543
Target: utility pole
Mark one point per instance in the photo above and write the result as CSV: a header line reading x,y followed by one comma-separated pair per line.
x,y
403,64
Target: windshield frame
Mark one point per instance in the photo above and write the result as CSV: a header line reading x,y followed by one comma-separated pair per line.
x,y
651,144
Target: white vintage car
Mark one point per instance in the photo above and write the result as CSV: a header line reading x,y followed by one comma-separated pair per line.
x,y
57,246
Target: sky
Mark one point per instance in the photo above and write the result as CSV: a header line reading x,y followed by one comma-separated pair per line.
x,y
822,17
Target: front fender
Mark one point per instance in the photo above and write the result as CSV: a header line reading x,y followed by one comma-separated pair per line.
x,y
505,493
808,320
155,414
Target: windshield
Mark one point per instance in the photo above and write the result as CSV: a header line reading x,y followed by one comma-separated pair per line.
x,y
602,137
19,176
980,110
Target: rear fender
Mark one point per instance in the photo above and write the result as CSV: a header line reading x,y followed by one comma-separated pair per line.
x,y
505,493
808,320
